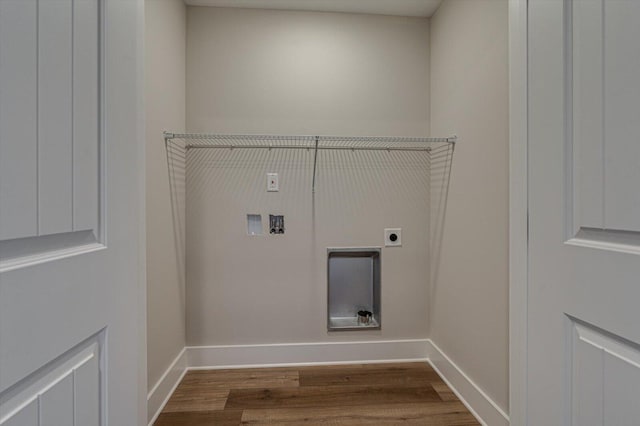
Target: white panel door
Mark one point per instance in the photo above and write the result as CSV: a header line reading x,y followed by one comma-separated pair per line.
x,y
72,347
583,337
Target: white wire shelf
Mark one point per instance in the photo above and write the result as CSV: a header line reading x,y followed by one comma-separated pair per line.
x,y
315,143
369,143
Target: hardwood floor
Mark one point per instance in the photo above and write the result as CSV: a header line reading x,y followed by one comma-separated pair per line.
x,y
374,394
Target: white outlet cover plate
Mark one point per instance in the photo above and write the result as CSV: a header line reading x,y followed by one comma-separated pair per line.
x,y
387,237
272,182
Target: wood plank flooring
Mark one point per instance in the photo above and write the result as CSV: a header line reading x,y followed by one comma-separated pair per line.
x,y
374,394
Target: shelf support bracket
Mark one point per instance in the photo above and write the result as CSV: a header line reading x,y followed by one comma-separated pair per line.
x,y
315,161
168,135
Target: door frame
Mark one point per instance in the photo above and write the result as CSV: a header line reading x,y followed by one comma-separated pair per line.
x,y
518,210
142,217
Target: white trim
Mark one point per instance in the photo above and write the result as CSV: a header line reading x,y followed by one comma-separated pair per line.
x,y
315,353
143,414
50,256
610,240
472,396
164,388
518,210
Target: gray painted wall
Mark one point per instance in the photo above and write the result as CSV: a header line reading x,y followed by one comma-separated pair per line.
x,y
165,110
306,72
469,97
256,71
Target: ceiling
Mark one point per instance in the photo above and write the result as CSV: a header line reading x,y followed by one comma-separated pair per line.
x,y
419,8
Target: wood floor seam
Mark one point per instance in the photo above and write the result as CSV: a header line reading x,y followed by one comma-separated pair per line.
x,y
361,394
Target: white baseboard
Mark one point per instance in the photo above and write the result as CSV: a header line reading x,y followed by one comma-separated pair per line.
x,y
290,354
322,353
161,392
471,395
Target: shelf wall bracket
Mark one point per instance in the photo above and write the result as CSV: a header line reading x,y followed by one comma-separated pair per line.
x,y
168,135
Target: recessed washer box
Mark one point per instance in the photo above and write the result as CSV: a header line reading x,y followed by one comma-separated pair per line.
x,y
353,276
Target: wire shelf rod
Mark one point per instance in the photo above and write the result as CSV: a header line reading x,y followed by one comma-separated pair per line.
x,y
310,139
343,148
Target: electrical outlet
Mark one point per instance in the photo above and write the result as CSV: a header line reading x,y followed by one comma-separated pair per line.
x,y
272,182
393,237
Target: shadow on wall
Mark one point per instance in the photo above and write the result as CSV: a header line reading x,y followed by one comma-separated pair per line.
x,y
441,161
176,166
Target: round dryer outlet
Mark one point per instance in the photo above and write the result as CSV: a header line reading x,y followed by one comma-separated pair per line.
x,y
393,237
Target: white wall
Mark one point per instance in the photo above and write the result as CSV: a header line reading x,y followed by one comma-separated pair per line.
x,y
469,94
256,71
165,110
306,73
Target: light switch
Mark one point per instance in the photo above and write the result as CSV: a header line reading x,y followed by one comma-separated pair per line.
x,y
272,182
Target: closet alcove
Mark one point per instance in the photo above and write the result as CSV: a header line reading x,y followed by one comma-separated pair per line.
x,y
252,202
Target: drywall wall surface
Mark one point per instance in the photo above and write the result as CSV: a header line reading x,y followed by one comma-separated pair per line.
x,y
266,71
246,289
253,71
165,46
469,97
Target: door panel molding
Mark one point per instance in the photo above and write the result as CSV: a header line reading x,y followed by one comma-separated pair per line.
x,y
604,376
588,164
69,387
601,54
605,239
52,188
25,252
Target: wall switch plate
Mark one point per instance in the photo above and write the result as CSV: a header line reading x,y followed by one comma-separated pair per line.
x,y
393,237
272,182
